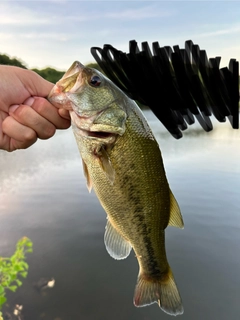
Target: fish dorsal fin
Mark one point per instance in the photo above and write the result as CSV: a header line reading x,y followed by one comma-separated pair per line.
x,y
175,219
86,173
106,165
116,245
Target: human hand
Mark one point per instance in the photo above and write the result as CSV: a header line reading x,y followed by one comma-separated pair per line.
x,y
25,115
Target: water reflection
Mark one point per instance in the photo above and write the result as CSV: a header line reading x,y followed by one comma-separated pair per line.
x,y
43,196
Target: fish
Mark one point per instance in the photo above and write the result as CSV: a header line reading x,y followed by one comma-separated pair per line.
x,y
122,162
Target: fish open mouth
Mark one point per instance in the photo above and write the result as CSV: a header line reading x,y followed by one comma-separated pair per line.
x,y
84,124
100,134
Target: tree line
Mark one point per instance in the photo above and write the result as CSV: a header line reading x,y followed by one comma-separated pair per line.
x,y
49,74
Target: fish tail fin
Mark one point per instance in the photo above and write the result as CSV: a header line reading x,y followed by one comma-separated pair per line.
x,y
162,291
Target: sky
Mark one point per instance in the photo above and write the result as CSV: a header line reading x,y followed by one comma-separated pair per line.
x,y
54,33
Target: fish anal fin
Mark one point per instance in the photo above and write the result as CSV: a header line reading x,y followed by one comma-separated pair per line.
x,y
162,291
175,219
86,174
116,245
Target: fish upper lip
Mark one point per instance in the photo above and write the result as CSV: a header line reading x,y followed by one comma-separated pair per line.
x,y
75,68
72,75
78,82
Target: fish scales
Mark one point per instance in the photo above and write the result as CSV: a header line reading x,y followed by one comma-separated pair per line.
x,y
137,193
123,163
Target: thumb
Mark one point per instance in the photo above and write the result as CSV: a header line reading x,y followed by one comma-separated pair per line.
x,y
35,84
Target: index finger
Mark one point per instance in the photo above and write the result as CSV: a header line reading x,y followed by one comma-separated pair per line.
x,y
51,113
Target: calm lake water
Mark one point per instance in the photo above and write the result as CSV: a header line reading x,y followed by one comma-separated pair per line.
x,y
43,196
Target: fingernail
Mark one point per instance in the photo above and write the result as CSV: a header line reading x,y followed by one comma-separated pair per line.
x,y
29,101
13,108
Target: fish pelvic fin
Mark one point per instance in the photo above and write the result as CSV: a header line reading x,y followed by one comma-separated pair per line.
x,y
87,176
106,165
175,219
162,291
116,245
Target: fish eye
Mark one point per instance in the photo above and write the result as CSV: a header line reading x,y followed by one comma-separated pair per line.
x,y
95,81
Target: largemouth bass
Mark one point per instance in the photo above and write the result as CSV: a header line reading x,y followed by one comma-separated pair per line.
x,y
123,163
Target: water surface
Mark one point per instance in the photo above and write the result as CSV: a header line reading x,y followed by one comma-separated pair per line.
x,y
43,196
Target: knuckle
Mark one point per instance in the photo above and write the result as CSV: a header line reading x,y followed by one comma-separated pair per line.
x,y
30,136
40,106
5,125
65,124
48,132
21,112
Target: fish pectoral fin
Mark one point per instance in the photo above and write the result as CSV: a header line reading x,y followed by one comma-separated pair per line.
x,y
106,165
175,219
86,174
116,245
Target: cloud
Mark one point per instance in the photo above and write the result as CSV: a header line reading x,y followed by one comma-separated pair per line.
x,y
138,14
63,37
226,31
6,36
19,15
